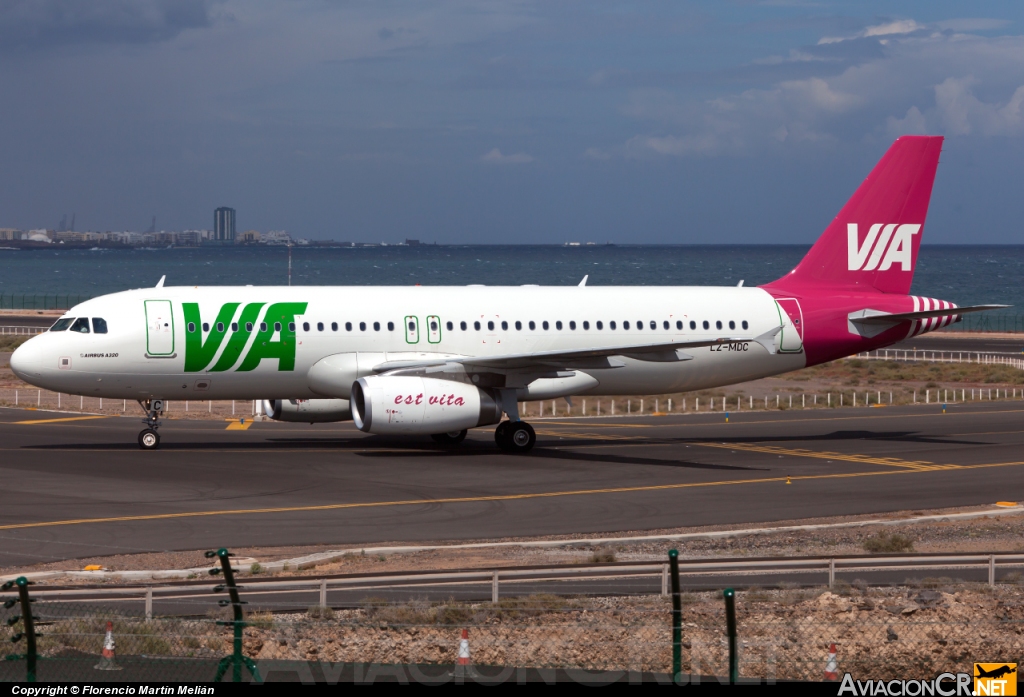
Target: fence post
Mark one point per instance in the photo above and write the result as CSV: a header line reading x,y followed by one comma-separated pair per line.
x,y
730,627
237,659
149,604
28,622
323,593
831,573
494,587
664,581
677,619
991,570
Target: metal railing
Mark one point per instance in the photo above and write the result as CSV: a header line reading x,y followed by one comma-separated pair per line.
x,y
987,322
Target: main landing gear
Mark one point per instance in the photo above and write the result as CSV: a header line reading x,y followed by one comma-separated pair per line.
x,y
515,436
149,439
450,438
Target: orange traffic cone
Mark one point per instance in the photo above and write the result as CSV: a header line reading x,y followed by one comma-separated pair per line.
x,y
463,664
108,662
831,665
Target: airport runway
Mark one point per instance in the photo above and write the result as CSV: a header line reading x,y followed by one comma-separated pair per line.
x,y
76,487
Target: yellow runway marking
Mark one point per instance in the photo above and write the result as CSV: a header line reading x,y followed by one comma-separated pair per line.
x,y
800,452
54,421
238,426
479,499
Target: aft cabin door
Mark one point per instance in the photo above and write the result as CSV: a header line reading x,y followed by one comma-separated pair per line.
x,y
159,328
792,318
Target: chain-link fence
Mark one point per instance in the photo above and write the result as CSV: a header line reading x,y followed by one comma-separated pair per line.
x,y
46,301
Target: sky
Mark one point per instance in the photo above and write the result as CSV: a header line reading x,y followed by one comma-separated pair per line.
x,y
474,121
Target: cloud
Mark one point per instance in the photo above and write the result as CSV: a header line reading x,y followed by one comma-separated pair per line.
x,y
901,26
495,157
49,23
596,154
961,113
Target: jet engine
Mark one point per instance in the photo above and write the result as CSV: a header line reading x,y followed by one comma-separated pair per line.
x,y
312,411
391,404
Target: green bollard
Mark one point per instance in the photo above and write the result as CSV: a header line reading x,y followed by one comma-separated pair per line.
x,y
677,618
236,660
27,620
730,627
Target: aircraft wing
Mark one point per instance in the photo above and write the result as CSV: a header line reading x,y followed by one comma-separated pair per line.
x,y
583,358
878,317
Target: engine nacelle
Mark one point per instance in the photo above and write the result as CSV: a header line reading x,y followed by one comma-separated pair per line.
x,y
311,411
389,404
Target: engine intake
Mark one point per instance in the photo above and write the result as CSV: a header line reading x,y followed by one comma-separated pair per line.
x,y
414,405
313,411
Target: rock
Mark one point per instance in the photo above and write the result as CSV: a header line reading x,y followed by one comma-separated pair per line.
x,y
909,610
891,635
929,599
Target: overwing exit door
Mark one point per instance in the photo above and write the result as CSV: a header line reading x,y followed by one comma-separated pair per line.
x,y
159,328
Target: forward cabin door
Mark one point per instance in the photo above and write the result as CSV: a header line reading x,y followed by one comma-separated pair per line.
x,y
159,328
792,318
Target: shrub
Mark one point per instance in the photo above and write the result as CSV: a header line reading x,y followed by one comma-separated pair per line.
x,y
255,568
602,556
884,543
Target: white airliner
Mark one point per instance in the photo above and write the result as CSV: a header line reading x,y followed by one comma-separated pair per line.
x,y
441,360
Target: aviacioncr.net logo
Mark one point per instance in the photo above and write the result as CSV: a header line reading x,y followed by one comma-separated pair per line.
x,y
886,244
251,333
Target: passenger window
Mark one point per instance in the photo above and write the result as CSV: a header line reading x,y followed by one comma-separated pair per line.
x,y
81,325
291,326
376,326
679,324
640,325
519,325
625,325
586,325
248,326
234,326
654,325
191,327
504,325
665,324
476,326
745,324
263,326
611,325
348,326
305,326
362,326
462,326
391,326
572,325
558,325
545,325
206,326
334,326
412,326
600,325
433,325
220,326
718,324
732,325
532,325
707,325
450,326
61,325
693,325
277,326
319,326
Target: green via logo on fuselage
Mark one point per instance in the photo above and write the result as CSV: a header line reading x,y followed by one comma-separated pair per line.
x,y
199,353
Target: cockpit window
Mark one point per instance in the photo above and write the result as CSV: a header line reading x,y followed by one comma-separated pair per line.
x,y
99,325
61,325
81,325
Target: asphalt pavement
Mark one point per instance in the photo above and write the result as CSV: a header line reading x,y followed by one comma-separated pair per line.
x,y
76,486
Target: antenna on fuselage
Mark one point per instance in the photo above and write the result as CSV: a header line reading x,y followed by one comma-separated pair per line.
x,y
584,281
740,284
160,283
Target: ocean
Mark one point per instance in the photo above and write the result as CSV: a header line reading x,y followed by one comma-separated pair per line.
x,y
966,275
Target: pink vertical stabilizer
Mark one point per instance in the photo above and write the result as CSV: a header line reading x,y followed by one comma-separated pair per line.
x,y
864,261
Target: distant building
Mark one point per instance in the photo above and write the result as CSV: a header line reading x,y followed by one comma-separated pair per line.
x,y
250,237
10,233
276,237
224,225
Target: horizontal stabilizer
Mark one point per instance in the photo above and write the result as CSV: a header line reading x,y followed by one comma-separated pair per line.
x,y
877,317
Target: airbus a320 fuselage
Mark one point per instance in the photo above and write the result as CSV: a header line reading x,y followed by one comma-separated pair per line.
x,y
440,360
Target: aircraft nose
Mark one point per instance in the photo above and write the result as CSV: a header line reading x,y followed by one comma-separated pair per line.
x,y
24,360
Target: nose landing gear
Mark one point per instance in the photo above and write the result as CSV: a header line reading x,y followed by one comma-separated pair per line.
x,y
149,439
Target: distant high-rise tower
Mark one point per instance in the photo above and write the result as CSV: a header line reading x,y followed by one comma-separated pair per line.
x,y
224,224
